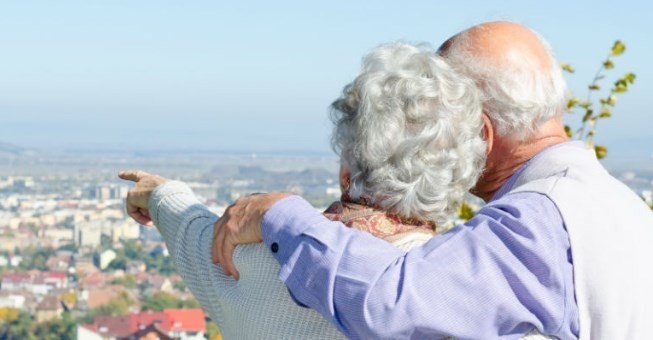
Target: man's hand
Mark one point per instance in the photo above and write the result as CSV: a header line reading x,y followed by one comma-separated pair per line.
x,y
240,224
138,197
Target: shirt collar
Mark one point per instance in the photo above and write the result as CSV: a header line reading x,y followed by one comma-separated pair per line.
x,y
507,186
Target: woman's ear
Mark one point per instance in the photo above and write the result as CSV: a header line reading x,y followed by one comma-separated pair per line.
x,y
488,133
345,178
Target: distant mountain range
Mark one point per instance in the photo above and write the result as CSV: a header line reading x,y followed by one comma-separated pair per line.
x,y
7,149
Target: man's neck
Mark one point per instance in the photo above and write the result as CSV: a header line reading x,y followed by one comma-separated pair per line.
x,y
508,156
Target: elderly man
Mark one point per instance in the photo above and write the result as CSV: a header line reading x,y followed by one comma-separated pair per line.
x,y
561,246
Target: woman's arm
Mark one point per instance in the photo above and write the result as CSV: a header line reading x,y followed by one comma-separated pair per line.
x,y
254,307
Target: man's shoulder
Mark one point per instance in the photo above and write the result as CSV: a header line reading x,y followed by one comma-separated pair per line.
x,y
530,200
526,208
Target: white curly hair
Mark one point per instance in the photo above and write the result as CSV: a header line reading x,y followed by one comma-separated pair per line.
x,y
410,131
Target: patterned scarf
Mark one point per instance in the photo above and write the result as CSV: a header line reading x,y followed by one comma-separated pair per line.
x,y
381,224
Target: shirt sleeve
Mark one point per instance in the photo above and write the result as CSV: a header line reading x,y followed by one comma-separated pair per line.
x,y
501,274
186,226
258,305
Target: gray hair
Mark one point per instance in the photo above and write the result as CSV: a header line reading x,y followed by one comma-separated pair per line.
x,y
409,129
518,96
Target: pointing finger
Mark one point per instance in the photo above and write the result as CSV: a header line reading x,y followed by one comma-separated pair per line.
x,y
133,175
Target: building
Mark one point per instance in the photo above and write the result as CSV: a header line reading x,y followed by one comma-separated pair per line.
x,y
184,324
87,234
150,332
106,257
38,283
60,261
12,300
49,308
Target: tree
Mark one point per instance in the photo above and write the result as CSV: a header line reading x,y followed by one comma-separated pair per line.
x,y
64,328
128,281
120,262
69,298
160,301
69,247
592,116
212,331
9,314
161,263
18,329
116,307
35,258
180,286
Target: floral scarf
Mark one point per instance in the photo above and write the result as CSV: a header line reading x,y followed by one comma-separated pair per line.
x,y
381,224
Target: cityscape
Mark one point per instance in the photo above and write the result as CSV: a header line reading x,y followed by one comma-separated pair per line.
x,y
74,266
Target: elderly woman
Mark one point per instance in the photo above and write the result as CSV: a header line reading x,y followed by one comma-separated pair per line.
x,y
409,134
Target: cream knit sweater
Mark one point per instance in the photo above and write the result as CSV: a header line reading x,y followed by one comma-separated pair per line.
x,y
258,306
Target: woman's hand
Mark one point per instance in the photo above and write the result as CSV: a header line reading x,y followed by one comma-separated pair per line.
x,y
138,197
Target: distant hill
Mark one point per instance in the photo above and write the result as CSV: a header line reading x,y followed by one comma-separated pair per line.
x,y
9,150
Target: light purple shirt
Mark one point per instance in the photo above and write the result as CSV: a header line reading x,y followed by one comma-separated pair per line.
x,y
499,275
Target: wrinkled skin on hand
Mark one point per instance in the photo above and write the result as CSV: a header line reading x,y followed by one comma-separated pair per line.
x,y
138,197
240,224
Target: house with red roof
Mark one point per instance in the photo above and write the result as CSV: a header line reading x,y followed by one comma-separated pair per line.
x,y
15,281
36,282
185,324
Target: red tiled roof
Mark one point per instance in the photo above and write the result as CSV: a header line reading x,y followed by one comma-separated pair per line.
x,y
181,320
143,319
56,275
49,302
188,320
16,277
93,279
118,326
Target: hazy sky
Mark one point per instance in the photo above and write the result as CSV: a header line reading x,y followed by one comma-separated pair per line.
x,y
257,76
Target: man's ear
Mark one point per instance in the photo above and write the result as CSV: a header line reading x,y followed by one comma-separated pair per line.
x,y
488,133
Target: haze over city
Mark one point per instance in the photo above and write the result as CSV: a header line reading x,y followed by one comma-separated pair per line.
x,y
258,77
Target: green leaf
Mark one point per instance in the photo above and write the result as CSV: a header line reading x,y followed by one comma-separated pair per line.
x,y
567,67
612,100
568,131
585,104
465,211
588,115
572,102
618,48
629,77
605,112
601,151
608,64
594,87
620,89
620,86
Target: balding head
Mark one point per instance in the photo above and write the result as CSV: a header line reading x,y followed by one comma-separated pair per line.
x,y
502,43
515,68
